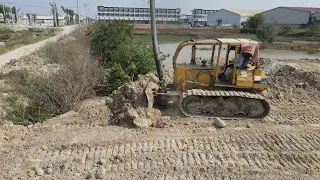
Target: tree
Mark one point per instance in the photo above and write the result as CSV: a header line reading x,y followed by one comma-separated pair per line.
x,y
29,18
69,15
266,34
66,15
34,17
109,37
5,12
55,14
15,12
254,22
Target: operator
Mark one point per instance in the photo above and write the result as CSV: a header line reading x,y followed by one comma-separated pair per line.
x,y
242,62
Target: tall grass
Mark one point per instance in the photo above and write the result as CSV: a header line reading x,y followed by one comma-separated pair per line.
x,y
70,75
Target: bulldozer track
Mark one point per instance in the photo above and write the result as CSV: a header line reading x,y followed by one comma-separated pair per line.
x,y
236,94
247,152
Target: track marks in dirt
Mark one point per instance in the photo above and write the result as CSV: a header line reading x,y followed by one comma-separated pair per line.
x,y
233,153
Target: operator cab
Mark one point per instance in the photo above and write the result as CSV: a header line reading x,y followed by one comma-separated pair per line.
x,y
225,66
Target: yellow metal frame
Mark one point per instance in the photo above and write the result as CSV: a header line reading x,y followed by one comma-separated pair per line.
x,y
236,80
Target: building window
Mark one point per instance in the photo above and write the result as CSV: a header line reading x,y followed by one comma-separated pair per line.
x,y
131,15
100,8
136,10
164,11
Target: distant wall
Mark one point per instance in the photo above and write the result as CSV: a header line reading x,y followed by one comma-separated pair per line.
x,y
286,16
226,17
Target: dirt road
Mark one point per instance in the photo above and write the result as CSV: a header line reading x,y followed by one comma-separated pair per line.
x,y
285,145
29,49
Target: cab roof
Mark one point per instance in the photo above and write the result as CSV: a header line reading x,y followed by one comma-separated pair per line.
x,y
231,41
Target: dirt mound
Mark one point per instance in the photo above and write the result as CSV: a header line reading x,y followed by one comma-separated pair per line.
x,y
134,100
292,82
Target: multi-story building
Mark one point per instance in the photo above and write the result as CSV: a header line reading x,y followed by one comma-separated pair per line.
x,y
186,18
199,16
138,15
45,20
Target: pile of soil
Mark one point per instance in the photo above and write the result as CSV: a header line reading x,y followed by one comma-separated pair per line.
x,y
134,101
293,83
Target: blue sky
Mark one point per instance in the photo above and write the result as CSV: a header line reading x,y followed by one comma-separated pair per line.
x,y
42,6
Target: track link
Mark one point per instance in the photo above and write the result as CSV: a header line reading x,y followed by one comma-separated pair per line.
x,y
232,104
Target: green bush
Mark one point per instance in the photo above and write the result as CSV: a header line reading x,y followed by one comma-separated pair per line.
x,y
108,37
122,57
266,34
254,22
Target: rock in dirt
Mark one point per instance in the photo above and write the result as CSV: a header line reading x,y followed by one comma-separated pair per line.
x,y
102,162
39,171
31,173
49,171
138,94
302,85
89,176
160,124
220,123
142,123
131,113
249,125
3,113
101,173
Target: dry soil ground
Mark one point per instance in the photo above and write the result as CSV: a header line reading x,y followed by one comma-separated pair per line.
x,y
285,145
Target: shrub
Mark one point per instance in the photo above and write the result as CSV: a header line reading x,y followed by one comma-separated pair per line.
x,y
266,34
56,88
108,37
285,30
314,29
254,22
122,57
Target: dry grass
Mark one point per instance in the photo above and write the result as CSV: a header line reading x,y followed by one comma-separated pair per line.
x,y
70,75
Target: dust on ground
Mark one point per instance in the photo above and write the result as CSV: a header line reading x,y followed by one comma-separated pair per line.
x,y
82,143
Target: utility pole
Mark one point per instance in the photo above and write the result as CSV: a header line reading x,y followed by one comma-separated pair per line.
x,y
155,39
78,15
86,6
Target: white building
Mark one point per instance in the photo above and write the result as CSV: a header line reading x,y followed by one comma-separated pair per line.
x,y
186,18
138,15
291,15
45,20
230,17
199,16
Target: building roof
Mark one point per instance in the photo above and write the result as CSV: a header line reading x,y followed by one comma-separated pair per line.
x,y
245,12
306,9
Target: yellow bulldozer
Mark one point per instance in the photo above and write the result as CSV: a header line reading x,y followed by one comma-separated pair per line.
x,y
219,86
